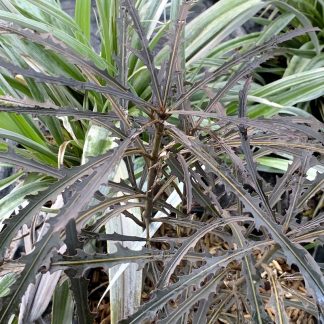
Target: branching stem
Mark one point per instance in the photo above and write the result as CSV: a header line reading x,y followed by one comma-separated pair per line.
x,y
159,128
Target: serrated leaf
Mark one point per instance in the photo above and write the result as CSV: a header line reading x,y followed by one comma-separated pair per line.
x,y
33,263
35,203
203,293
190,243
161,297
30,165
187,181
49,41
312,190
82,261
295,253
40,77
79,286
146,54
269,45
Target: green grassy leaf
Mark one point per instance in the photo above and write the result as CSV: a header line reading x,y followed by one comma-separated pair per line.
x,y
83,16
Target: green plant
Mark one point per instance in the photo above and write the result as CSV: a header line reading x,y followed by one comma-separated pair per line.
x,y
129,137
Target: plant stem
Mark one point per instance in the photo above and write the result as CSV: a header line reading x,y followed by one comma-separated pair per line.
x,y
151,178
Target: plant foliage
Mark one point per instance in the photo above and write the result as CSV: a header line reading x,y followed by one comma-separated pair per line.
x,y
163,110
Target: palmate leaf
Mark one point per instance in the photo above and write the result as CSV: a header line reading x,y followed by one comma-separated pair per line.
x,y
150,12
201,313
253,294
79,287
115,212
186,223
248,269
257,312
13,224
84,191
160,203
283,183
275,143
294,253
113,237
107,91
